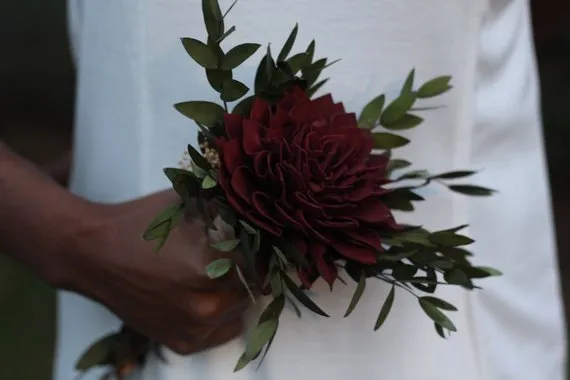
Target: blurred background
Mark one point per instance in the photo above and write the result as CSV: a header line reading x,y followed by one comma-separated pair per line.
x,y
36,112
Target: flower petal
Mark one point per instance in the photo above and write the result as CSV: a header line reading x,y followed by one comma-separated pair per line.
x,y
260,111
233,125
251,137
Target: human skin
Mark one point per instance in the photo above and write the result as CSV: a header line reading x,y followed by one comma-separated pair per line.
x,y
97,250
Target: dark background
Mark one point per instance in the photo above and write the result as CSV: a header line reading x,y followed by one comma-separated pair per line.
x,y
36,111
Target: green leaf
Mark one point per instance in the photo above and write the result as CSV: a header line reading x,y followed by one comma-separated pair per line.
x,y
198,159
225,245
175,173
173,213
457,229
430,281
273,310
396,201
414,236
208,183
266,349
271,313
302,297
200,52
295,307
226,34
449,239
357,294
261,77
232,90
397,164
439,330
491,271
409,84
256,242
229,9
435,87
218,268
457,277
280,255
371,112
292,253
414,174
213,18
205,113
217,78
385,309
471,190
184,182
244,283
396,257
398,108
310,53
243,361
436,315
316,87
454,174
404,272
385,140
249,254
280,76
159,228
99,353
288,44
269,63
260,336
296,62
243,108
238,55
276,284
401,199
248,228
408,121
444,305
312,72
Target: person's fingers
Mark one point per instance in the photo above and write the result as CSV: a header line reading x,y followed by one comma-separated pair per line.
x,y
224,334
204,337
213,308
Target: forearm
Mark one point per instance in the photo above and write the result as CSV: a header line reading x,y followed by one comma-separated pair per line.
x,y
59,169
37,216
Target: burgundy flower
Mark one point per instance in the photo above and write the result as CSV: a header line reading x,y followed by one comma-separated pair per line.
x,y
302,169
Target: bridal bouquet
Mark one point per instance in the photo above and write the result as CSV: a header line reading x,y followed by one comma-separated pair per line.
x,y
307,190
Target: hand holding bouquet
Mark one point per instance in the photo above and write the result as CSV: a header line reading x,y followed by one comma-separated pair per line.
x,y
304,190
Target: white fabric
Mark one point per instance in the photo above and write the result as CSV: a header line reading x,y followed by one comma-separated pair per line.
x,y
132,68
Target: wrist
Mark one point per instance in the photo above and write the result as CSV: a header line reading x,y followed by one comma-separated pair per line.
x,y
77,248
38,218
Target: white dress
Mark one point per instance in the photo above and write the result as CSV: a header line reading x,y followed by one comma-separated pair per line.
x,y
132,68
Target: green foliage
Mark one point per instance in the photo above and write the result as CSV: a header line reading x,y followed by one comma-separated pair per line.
x,y
386,140
218,268
99,353
386,308
435,87
411,258
238,55
160,227
357,294
371,113
205,113
226,245
201,53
